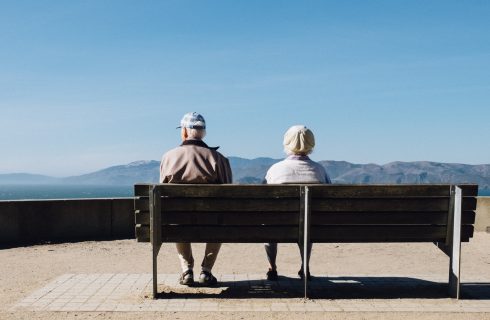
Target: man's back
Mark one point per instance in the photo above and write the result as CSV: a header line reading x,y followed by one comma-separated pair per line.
x,y
194,162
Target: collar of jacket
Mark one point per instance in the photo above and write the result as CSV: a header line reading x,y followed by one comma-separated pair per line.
x,y
298,157
198,143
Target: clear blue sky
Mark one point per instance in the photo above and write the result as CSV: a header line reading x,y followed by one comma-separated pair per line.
x,y
89,84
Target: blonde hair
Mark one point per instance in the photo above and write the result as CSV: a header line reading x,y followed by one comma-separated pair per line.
x,y
299,140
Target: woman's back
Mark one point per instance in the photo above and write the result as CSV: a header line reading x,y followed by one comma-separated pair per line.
x,y
298,142
297,169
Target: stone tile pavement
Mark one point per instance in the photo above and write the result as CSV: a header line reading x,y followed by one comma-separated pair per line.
x,y
250,292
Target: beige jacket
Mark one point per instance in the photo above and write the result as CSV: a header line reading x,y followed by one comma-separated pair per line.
x,y
195,162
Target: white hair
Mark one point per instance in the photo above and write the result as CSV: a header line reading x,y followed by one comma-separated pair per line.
x,y
299,140
198,134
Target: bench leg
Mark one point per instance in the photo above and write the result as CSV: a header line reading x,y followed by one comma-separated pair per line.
x,y
304,236
455,246
155,232
155,249
155,271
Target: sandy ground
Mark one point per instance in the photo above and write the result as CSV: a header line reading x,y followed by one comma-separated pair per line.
x,y
25,269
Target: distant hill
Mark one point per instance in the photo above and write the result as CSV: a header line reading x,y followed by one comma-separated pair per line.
x,y
244,171
27,178
129,174
417,172
249,171
252,171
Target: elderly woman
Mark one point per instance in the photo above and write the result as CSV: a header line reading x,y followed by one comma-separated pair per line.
x,y
298,143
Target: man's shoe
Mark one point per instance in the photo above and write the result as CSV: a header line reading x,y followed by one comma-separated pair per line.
x,y
272,275
302,275
207,279
187,278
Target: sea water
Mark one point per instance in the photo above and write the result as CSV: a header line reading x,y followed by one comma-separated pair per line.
x,y
484,192
21,192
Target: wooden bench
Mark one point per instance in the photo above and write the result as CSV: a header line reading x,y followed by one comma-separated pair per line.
x,y
441,214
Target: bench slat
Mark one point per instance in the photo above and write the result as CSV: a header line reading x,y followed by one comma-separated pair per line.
x,y
233,234
142,189
291,218
225,204
392,204
469,190
330,191
366,218
228,234
329,234
437,204
222,191
379,191
380,205
223,218
388,191
319,234
291,204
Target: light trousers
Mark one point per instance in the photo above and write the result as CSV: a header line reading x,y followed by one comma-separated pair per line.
x,y
187,260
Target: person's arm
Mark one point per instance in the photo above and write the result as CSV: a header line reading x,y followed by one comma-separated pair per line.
x,y
229,173
166,166
323,172
327,179
162,170
225,174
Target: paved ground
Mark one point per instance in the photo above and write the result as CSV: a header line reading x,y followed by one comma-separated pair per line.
x,y
249,292
110,280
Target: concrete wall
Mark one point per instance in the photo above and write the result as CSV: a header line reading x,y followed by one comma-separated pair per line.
x,y
23,222
66,220
482,222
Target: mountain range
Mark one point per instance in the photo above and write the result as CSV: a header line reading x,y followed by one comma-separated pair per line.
x,y
248,171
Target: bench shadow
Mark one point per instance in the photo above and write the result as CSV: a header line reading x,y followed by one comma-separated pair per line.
x,y
38,242
475,290
330,288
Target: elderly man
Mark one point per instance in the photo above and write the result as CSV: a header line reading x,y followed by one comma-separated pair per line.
x,y
194,162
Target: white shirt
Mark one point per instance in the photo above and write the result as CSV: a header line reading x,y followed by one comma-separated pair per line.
x,y
297,169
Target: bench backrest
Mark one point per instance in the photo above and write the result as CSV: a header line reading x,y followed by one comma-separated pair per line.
x,y
224,213
387,213
276,213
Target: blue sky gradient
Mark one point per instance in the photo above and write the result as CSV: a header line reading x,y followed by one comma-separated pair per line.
x,y
89,84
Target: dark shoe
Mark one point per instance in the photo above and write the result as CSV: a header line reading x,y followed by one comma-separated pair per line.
x,y
272,275
207,279
187,278
301,275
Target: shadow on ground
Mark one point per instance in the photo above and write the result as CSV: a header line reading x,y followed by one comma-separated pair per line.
x,y
329,288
